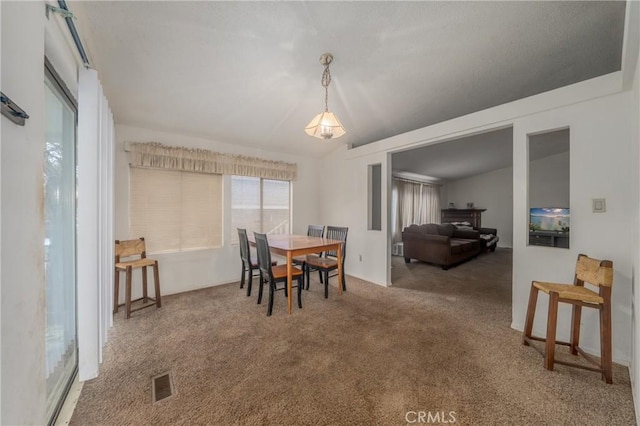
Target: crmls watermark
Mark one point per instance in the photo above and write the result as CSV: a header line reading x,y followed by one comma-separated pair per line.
x,y
437,417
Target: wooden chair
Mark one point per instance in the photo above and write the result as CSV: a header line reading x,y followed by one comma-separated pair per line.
x,y
328,261
312,231
273,274
134,248
247,264
591,271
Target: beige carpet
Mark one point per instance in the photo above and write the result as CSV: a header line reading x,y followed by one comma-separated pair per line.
x,y
437,341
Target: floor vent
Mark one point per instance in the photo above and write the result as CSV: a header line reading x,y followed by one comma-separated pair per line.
x,y
162,387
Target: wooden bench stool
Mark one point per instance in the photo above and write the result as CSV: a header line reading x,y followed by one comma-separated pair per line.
x,y
131,248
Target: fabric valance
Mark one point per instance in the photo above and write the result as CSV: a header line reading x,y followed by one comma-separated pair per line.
x,y
157,155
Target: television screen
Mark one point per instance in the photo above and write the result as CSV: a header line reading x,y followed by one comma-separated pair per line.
x,y
549,219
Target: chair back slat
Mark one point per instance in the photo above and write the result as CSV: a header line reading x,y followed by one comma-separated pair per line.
x,y
264,255
315,231
337,233
594,271
245,252
128,248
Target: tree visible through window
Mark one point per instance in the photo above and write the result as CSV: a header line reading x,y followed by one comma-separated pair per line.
x,y
260,205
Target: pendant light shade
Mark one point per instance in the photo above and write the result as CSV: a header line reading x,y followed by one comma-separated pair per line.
x,y
325,125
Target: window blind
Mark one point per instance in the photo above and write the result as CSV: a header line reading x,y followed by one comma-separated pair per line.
x,y
175,210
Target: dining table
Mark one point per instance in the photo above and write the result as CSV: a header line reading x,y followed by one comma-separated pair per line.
x,y
292,245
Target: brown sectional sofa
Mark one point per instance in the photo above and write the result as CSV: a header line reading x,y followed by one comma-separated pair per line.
x,y
442,244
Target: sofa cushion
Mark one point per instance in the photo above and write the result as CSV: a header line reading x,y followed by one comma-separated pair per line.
x,y
446,229
430,228
465,245
456,247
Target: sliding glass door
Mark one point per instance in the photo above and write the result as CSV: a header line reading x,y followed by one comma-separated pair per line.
x,y
60,241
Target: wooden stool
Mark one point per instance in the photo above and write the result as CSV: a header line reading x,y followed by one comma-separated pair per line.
x,y
588,270
130,248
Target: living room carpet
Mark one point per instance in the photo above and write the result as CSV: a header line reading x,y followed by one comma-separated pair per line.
x,y
436,344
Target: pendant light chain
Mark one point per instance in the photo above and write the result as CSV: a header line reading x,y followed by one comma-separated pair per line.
x,y
326,80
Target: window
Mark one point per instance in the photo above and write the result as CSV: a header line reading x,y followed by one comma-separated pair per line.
x,y
174,210
374,219
260,205
61,341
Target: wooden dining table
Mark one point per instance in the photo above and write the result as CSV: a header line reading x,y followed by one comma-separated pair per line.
x,y
291,245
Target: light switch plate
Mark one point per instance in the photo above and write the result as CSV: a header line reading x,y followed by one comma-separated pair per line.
x,y
599,205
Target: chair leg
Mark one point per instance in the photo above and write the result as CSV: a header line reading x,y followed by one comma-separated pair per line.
x,y
156,285
242,277
320,275
260,289
576,314
250,283
326,284
116,290
145,293
286,291
271,291
344,281
127,301
306,272
605,344
531,310
552,322
300,285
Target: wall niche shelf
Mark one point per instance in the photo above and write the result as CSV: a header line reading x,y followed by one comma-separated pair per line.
x,y
549,239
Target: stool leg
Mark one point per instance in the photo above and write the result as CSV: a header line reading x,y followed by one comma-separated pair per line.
x,y
116,290
552,322
128,295
576,315
156,284
145,295
605,343
531,310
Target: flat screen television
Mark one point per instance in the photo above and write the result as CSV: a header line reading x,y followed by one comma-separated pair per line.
x,y
549,219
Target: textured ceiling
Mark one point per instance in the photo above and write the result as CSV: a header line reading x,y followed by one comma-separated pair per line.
x,y
248,72
473,155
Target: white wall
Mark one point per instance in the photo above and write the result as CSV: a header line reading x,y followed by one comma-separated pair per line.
x,y
598,170
492,191
602,166
23,322
183,271
344,195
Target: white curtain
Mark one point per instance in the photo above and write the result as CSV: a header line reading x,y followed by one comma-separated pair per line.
x,y
95,222
413,202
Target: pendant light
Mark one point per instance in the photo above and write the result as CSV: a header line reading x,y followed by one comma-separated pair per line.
x,y
325,125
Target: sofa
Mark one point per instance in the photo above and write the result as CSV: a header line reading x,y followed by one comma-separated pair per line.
x,y
441,244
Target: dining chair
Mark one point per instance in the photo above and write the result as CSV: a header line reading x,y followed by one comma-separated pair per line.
x,y
312,231
588,270
273,274
329,260
136,254
247,264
